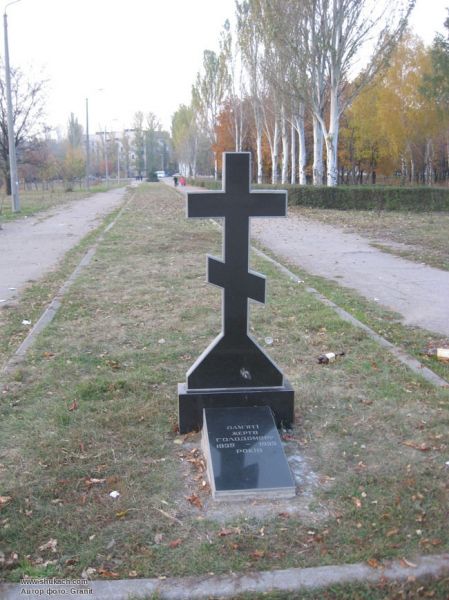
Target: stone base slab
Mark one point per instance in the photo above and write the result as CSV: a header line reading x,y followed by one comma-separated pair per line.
x,y
192,402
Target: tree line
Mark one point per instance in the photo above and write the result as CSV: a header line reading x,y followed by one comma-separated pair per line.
x,y
44,158
321,91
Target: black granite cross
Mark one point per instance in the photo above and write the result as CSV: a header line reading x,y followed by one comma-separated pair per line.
x,y
234,359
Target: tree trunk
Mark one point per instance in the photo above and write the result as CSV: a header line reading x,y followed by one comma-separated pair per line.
x,y
302,151
275,152
317,152
332,141
293,156
284,130
429,163
259,155
259,158
8,184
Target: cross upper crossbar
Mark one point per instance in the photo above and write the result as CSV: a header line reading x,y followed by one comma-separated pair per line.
x,y
236,199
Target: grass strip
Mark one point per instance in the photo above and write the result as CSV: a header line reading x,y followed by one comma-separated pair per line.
x,y
94,410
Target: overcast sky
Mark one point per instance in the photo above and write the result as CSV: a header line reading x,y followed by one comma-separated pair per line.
x,y
141,54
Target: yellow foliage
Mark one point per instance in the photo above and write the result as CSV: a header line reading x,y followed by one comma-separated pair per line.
x,y
392,120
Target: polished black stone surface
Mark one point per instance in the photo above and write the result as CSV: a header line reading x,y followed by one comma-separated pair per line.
x,y
234,359
192,402
244,453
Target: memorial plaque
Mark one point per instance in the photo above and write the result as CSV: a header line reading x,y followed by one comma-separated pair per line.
x,y
244,454
234,370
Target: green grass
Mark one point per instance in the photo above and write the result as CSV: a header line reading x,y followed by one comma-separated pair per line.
x,y
96,399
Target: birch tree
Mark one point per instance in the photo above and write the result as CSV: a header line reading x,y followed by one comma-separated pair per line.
x,y
236,88
346,30
285,25
250,42
208,95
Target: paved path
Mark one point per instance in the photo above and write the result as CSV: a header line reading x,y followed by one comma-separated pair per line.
x,y
31,247
417,292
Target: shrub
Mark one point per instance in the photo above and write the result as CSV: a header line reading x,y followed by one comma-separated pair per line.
x,y
373,197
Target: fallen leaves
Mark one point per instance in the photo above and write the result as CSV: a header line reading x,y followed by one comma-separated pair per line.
x,y
392,532
88,572
374,563
406,563
73,406
229,531
434,542
422,447
50,545
90,481
4,500
357,502
195,500
106,573
175,543
10,562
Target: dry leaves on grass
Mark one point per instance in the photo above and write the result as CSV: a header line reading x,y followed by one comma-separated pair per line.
x,y
392,532
195,500
90,481
426,542
229,531
4,500
422,447
406,563
257,554
175,543
50,545
374,563
10,562
357,502
106,573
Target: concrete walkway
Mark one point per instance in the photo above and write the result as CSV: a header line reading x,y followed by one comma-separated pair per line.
x,y
417,292
31,247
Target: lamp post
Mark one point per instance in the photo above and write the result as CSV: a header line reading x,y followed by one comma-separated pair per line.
x,y
15,200
87,146
106,170
118,160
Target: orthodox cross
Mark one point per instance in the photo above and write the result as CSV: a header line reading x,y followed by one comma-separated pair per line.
x,y
234,359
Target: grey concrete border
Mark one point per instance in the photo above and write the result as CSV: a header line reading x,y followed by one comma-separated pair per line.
x,y
230,586
50,312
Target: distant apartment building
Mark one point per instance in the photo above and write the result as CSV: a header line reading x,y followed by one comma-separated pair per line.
x,y
129,153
